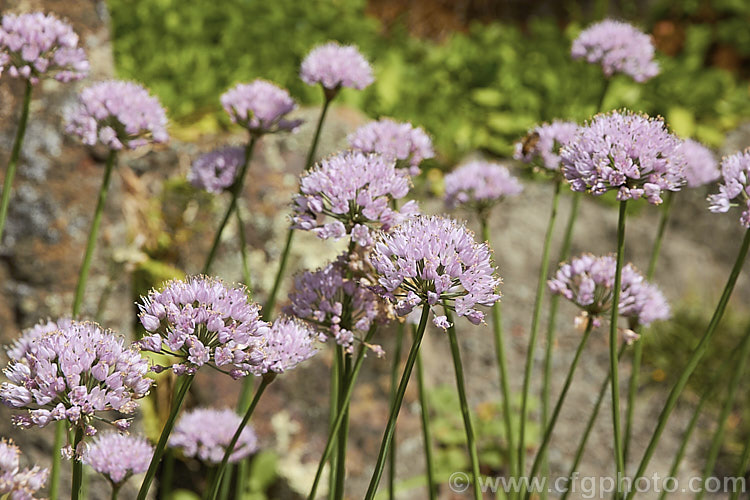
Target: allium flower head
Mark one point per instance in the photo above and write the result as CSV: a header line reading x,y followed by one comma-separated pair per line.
x,y
335,66
118,456
427,260
260,107
543,142
24,344
73,374
205,433
200,320
734,189
627,152
288,342
216,171
119,115
21,484
619,48
36,45
355,189
701,167
479,185
407,144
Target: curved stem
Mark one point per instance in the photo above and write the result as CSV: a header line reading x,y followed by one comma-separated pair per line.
x,y
75,490
15,153
243,252
396,406
560,400
54,480
461,386
236,191
695,358
394,385
166,431
426,433
316,137
742,469
541,284
333,431
83,274
265,380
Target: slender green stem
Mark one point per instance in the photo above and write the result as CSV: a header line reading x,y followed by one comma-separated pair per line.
x,y
394,385
613,365
344,431
590,425
742,469
235,191
75,489
695,358
332,416
550,426
167,475
541,285
605,88
333,430
264,382
426,433
396,406
116,490
243,252
83,275
226,483
461,386
166,431
316,137
54,480
15,153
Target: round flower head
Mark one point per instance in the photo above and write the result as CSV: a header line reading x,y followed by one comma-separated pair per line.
x,y
119,115
427,260
734,189
73,374
260,107
644,304
355,189
22,346
199,321
479,185
334,66
403,142
205,433
627,152
118,456
287,343
700,165
36,45
216,171
619,48
20,484
543,143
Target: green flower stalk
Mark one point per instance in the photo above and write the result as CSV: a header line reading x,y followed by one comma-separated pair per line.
x,y
426,431
742,468
394,385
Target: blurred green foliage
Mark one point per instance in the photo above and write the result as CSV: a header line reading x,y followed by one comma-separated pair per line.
x,y
476,90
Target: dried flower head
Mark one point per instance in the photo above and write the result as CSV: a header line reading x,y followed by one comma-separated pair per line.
x,y
260,107
216,171
403,142
36,45
17,483
355,189
619,48
73,374
334,66
199,321
205,433
543,144
479,185
701,167
119,115
288,342
118,456
429,259
734,189
627,152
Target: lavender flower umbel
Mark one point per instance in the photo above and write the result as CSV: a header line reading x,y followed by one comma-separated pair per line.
x,y
627,152
199,321
216,171
260,107
355,189
479,185
118,456
288,343
427,260
619,48
403,142
334,66
734,189
119,115
542,144
20,484
24,344
36,45
205,433
701,167
74,374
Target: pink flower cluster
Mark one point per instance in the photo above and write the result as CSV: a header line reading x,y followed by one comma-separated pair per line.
x,y
260,107
403,142
734,189
334,66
